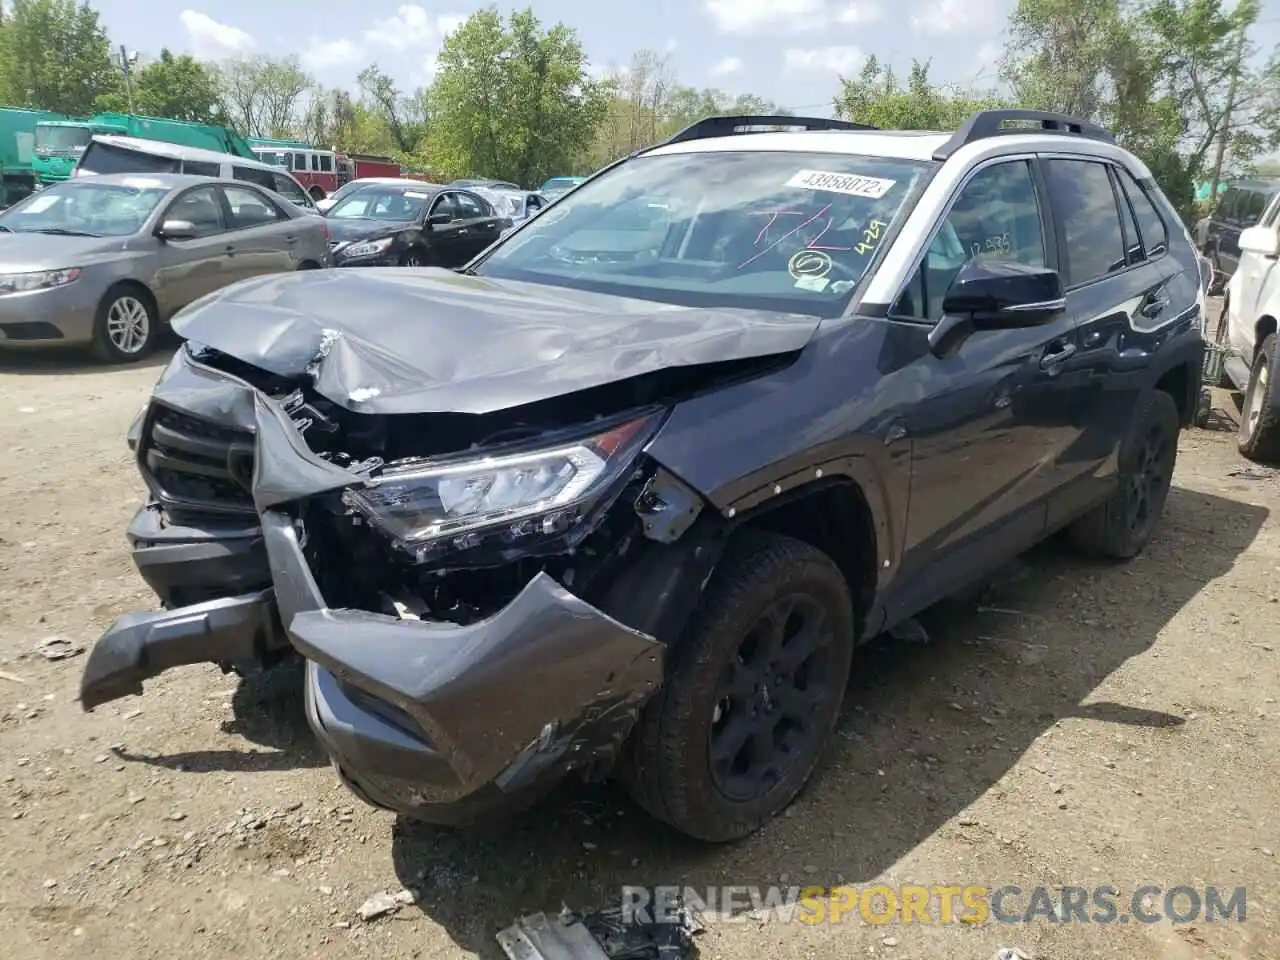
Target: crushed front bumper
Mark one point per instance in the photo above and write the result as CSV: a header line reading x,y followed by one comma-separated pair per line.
x,y
442,722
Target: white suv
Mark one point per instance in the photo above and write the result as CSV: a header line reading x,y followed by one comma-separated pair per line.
x,y
1250,310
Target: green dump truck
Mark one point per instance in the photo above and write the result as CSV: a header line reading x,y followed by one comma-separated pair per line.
x,y
17,151
60,142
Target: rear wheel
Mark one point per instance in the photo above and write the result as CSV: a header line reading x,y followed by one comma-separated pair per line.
x,y
1121,527
124,328
1259,436
753,691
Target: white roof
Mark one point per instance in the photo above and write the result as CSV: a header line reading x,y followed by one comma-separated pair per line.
x,y
177,151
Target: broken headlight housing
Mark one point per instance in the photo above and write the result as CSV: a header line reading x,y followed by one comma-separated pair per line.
x,y
514,498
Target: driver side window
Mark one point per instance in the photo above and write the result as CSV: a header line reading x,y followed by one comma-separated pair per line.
x,y
445,204
996,216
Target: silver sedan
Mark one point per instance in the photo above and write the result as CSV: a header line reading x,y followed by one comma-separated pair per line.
x,y
104,261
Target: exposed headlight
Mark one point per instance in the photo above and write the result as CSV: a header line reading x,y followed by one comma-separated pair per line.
x,y
514,498
367,248
42,280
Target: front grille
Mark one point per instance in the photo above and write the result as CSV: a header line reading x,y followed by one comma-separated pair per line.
x,y
197,466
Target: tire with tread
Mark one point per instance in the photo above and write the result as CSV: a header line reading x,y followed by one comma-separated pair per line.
x,y
667,769
1110,529
1259,441
102,347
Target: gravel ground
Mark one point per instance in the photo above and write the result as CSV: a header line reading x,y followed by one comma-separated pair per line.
x,y
1086,724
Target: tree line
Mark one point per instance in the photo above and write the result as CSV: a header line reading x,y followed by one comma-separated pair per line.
x,y
1180,82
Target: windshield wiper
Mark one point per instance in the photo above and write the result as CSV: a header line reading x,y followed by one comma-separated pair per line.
x,y
64,232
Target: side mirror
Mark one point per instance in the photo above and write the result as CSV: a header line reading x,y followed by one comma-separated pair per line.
x,y
177,230
1261,240
996,295
439,220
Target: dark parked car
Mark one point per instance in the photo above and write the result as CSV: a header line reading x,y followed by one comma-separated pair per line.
x,y
621,497
1240,207
411,225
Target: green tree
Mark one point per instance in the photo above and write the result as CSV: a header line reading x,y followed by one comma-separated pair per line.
x,y
513,100
877,97
55,55
175,86
405,116
263,95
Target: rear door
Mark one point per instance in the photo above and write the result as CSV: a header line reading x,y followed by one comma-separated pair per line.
x,y
191,268
262,238
1121,292
481,223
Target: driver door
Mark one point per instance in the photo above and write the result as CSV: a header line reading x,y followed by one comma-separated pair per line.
x,y
191,268
990,421
448,241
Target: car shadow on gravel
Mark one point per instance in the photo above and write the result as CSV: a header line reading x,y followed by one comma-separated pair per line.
x,y
267,710
62,361
927,729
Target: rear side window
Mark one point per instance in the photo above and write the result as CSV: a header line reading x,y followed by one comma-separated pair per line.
x,y
288,188
106,158
1085,205
263,178
1252,205
200,169
1155,236
472,208
250,208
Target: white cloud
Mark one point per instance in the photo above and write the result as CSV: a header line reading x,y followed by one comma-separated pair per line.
x,y
987,60
727,66
411,28
790,16
211,39
954,16
322,54
842,60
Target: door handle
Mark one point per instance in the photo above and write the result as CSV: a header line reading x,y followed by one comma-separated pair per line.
x,y
230,251
1155,307
290,239
462,231
1051,361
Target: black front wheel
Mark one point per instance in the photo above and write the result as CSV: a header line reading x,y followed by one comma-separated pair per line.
x,y
413,257
752,694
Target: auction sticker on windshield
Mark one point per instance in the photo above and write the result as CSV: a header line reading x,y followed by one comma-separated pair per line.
x,y
847,183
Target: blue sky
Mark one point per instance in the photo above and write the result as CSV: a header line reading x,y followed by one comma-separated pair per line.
x,y
790,51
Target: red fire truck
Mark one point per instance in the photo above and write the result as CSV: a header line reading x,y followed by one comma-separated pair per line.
x,y
357,166
316,170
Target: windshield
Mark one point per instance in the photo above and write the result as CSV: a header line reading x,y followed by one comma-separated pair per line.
x,y
84,208
60,138
381,203
771,230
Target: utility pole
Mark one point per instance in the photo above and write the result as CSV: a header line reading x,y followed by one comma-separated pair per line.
x,y
1228,110
125,63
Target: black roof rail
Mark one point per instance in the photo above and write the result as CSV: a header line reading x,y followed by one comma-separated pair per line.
x,y
991,123
729,126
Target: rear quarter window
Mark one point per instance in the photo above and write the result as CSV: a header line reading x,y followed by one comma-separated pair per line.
x,y
107,158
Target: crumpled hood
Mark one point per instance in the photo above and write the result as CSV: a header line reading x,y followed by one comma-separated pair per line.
x,y
391,340
344,231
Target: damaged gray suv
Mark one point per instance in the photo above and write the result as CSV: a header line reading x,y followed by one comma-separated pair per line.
x,y
620,497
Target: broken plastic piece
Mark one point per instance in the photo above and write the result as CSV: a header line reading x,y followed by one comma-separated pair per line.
x,y
536,937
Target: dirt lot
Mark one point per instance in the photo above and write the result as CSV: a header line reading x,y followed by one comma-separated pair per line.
x,y
1101,725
